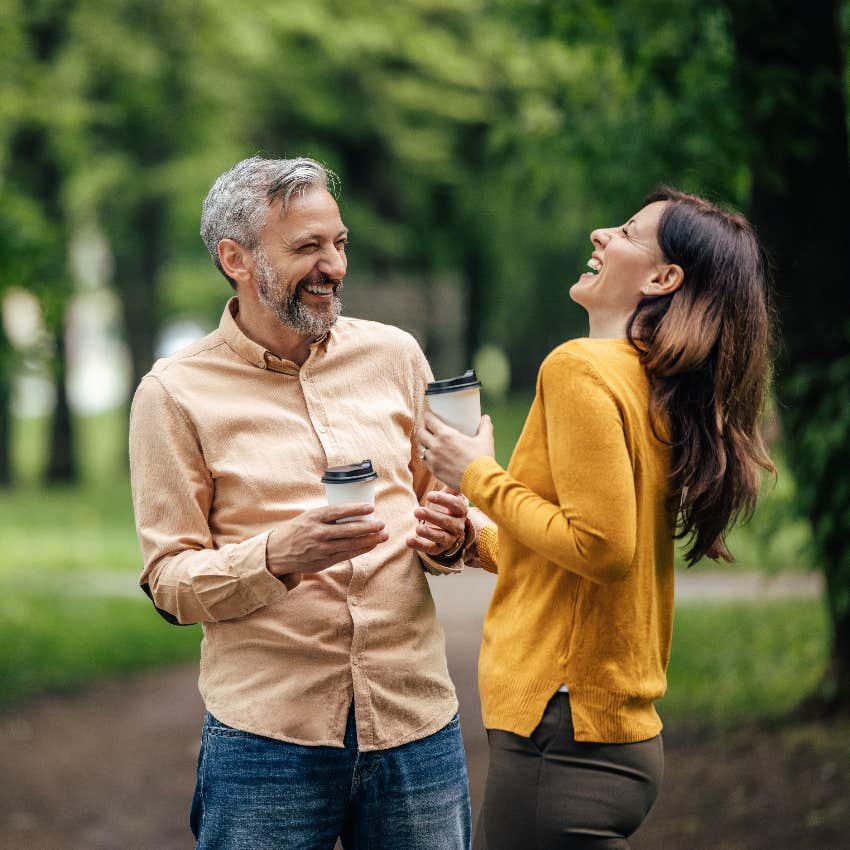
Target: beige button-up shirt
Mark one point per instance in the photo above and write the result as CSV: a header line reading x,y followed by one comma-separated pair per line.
x,y
227,441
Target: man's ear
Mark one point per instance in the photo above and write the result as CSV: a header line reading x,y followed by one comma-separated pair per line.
x,y
666,280
236,261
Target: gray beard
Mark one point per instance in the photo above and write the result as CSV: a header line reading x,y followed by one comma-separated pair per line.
x,y
288,306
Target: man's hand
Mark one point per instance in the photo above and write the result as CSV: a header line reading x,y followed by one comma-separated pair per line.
x,y
442,523
313,541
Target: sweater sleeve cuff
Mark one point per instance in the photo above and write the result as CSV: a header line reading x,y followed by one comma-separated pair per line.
x,y
473,474
488,548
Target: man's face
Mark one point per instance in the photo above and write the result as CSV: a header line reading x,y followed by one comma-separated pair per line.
x,y
300,262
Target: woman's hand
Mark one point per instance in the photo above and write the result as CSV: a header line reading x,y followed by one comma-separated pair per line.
x,y
448,452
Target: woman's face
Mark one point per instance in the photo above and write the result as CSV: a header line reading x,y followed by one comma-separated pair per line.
x,y
627,264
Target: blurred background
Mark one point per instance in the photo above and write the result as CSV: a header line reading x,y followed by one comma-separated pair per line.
x,y
478,143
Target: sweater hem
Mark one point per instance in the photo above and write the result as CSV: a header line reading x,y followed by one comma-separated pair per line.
x,y
600,715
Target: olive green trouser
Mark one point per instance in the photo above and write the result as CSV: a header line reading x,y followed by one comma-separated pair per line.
x,y
550,791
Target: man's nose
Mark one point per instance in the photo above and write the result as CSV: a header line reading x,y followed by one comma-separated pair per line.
x,y
333,263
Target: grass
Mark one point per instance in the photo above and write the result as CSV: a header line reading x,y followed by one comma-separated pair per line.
x,y
743,661
62,531
58,641
54,636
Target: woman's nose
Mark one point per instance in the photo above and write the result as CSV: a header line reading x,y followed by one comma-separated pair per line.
x,y
600,236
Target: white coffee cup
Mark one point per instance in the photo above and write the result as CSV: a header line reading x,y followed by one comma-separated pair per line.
x,y
350,485
457,401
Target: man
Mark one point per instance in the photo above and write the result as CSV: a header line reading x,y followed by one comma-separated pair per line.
x,y
323,671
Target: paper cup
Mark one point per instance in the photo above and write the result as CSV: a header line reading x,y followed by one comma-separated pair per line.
x,y
351,484
457,401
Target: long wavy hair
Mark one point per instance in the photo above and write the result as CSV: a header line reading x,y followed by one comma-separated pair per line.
x,y
708,351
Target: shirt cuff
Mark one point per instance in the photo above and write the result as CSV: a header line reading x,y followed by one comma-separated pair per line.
x,y
443,565
262,585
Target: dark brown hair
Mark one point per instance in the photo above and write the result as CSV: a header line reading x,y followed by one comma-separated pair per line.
x,y
707,348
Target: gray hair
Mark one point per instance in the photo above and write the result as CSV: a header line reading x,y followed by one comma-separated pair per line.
x,y
236,205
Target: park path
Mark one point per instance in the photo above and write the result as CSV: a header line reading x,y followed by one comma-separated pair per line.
x,y
112,767
691,585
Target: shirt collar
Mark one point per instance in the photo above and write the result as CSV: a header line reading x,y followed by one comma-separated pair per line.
x,y
252,351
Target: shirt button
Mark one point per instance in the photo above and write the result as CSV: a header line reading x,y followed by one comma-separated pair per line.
x,y
321,429
262,364
354,600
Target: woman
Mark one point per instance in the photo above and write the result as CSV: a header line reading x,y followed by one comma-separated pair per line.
x,y
644,431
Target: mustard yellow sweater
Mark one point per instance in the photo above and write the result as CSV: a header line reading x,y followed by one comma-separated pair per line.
x,y
583,552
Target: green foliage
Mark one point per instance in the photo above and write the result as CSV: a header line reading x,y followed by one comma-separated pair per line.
x,y
27,240
732,663
641,93
818,415
467,134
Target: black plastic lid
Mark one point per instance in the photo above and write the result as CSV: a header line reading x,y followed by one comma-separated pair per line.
x,y
347,474
466,381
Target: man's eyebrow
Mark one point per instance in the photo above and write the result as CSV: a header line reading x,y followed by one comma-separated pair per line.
x,y
317,237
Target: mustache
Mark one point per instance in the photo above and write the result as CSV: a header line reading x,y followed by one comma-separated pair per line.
x,y
320,279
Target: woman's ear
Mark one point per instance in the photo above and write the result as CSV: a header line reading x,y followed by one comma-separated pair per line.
x,y
666,280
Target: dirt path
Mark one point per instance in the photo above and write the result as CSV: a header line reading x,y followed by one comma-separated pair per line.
x,y
112,768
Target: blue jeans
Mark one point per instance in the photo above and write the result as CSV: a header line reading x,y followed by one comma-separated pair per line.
x,y
255,793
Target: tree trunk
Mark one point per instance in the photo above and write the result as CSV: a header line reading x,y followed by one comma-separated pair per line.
x,y
139,262
790,63
834,696
61,467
